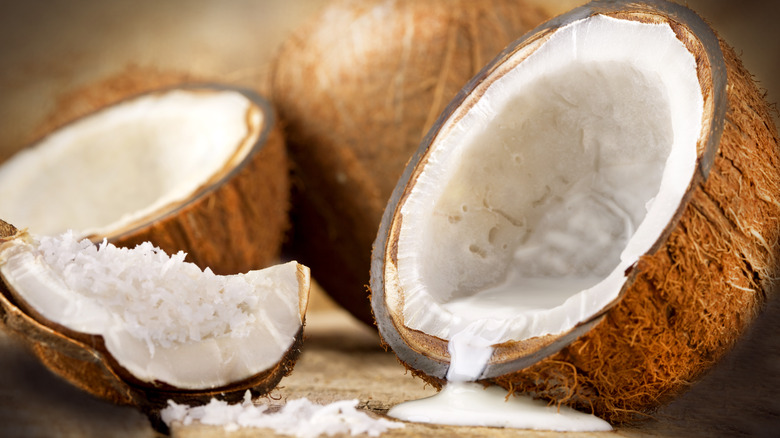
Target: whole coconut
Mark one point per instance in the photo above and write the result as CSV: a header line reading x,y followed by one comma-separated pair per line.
x,y
357,88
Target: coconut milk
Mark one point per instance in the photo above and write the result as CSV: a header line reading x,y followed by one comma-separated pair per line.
x,y
469,404
463,402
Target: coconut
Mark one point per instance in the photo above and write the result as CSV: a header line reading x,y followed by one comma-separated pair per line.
x,y
596,212
79,102
357,87
139,327
199,168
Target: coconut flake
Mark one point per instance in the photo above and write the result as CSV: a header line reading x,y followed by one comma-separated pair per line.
x,y
159,299
300,417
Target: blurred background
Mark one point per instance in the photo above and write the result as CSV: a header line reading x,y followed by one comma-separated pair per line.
x,y
62,58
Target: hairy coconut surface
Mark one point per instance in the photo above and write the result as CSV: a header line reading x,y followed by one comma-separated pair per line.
x,y
99,359
356,89
685,301
691,298
233,220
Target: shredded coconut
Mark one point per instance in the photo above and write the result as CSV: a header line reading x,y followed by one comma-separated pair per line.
x,y
160,299
301,417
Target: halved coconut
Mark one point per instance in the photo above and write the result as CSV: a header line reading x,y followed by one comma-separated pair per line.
x,y
139,327
596,213
357,88
197,168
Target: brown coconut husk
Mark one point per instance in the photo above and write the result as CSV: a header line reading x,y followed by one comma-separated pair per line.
x,y
84,361
689,299
7,230
236,224
356,92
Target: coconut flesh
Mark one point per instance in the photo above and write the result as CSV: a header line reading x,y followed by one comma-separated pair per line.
x,y
161,319
537,195
106,173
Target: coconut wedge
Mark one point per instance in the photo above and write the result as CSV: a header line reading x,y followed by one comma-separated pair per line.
x,y
597,210
198,168
139,327
357,88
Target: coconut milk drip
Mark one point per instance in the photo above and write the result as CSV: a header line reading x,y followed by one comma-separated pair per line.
x,y
469,404
558,260
463,402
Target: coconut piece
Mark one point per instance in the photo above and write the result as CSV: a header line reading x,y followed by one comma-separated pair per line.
x,y
357,87
596,210
138,327
195,168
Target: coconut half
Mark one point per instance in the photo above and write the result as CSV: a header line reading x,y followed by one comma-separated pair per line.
x,y
194,168
139,327
596,213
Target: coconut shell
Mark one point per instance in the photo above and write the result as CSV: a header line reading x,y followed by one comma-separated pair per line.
x,y
357,88
687,301
232,225
7,230
235,224
86,364
84,361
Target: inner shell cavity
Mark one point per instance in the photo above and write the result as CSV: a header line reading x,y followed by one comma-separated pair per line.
x,y
538,194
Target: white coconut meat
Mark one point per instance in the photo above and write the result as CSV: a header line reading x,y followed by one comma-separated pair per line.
x,y
549,183
162,319
104,172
